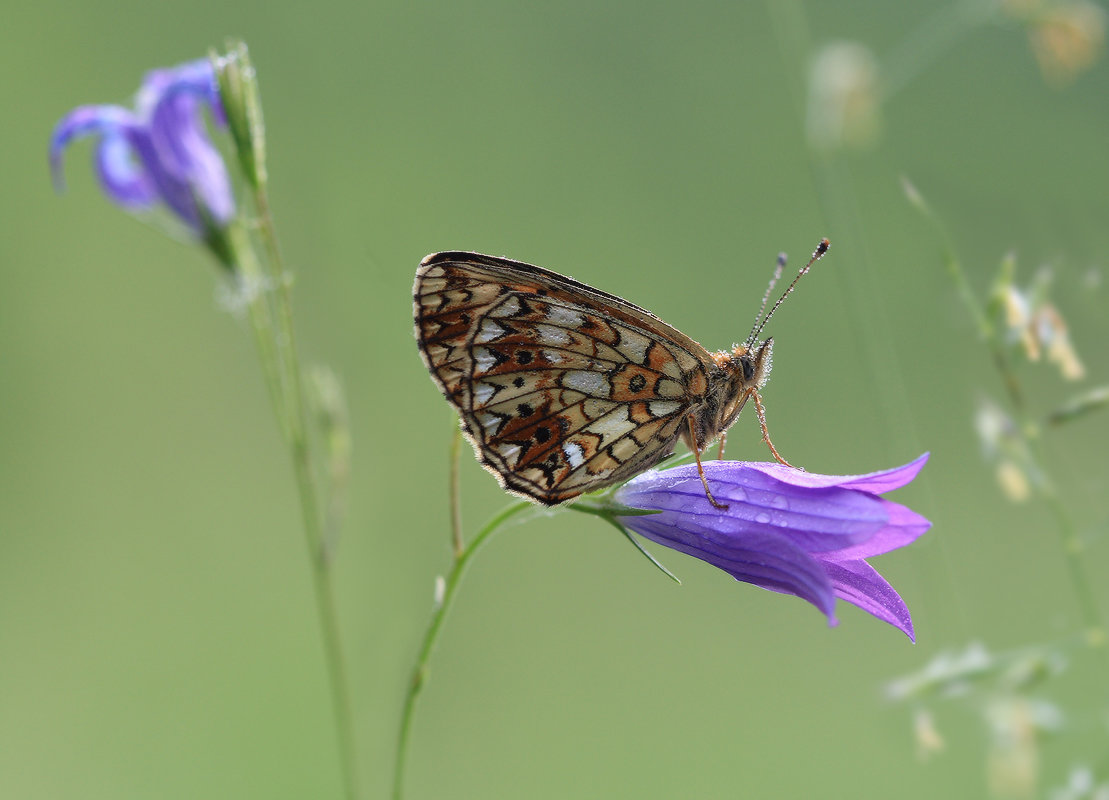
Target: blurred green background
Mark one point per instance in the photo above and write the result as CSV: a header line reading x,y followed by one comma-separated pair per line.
x,y
157,636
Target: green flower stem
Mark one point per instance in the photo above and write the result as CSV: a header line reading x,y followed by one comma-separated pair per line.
x,y
1072,549
431,635
1071,545
1085,403
253,291
286,340
329,626
986,330
271,318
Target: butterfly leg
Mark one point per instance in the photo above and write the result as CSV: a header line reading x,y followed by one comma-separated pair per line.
x,y
765,433
720,448
701,470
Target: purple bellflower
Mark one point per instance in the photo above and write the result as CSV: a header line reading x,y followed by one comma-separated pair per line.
x,y
785,530
160,150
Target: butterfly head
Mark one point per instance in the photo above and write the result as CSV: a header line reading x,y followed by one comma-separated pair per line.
x,y
747,365
760,360
741,372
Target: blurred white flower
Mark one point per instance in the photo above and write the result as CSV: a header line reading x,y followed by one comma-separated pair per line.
x,y
843,104
1040,329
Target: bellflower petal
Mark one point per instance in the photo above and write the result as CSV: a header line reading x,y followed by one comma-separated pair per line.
x,y
766,560
160,151
180,140
86,121
120,174
785,530
860,584
885,480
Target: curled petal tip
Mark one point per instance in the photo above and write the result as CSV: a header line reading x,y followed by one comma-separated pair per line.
x,y
889,479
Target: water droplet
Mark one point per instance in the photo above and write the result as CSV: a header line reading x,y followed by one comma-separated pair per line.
x,y
762,518
780,502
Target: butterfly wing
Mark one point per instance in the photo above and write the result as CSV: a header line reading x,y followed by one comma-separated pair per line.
x,y
562,388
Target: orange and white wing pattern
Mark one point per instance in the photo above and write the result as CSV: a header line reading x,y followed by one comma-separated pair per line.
x,y
562,388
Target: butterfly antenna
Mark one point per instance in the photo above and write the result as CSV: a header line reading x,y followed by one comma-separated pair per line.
x,y
821,249
778,267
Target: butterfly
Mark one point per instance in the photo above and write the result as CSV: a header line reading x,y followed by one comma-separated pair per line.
x,y
564,389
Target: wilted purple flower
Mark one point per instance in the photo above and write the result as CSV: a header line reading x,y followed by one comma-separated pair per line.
x,y
785,530
159,151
